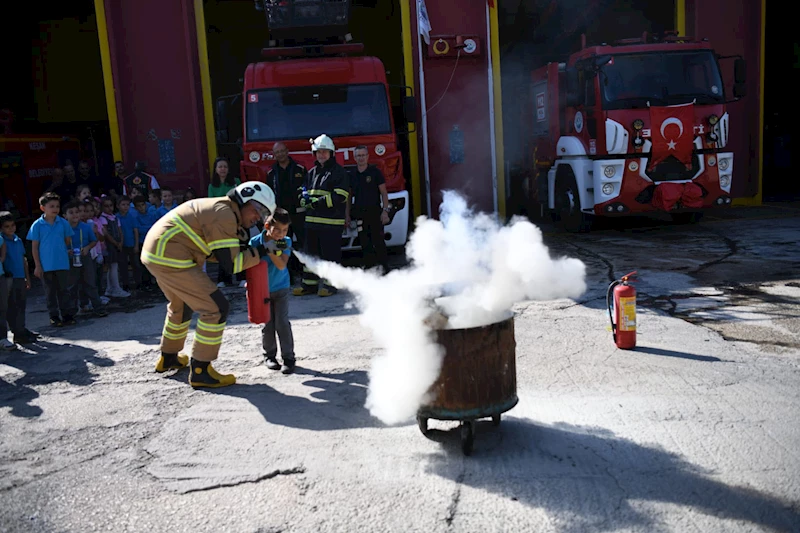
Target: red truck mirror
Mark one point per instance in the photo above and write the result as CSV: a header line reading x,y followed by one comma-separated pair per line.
x,y
410,109
572,93
739,71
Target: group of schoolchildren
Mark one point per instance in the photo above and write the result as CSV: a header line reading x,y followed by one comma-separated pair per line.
x,y
72,245
77,248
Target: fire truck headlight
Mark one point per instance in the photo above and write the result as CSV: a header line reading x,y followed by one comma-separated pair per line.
x,y
608,189
713,119
724,181
609,171
724,163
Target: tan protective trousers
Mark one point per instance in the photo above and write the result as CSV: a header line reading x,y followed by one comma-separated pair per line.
x,y
191,291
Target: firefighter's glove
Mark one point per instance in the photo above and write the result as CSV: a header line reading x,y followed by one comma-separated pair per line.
x,y
309,204
276,247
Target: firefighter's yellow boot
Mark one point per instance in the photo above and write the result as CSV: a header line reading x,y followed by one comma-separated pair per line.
x,y
203,375
171,361
326,291
302,291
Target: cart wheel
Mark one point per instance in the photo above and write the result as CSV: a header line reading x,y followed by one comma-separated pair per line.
x,y
467,437
496,420
422,422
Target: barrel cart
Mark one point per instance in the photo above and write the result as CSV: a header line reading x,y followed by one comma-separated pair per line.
x,y
478,378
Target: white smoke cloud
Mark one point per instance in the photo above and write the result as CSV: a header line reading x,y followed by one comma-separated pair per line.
x,y
473,267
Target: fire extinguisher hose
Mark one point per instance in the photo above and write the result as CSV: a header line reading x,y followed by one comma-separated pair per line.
x,y
609,302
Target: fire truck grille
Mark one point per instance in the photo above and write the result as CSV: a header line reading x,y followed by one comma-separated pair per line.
x,y
673,170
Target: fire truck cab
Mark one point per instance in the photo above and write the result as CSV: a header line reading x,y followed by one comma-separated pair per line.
x,y
634,127
318,85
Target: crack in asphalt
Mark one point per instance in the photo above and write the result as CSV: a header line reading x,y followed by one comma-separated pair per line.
x,y
56,471
609,265
733,249
270,475
453,507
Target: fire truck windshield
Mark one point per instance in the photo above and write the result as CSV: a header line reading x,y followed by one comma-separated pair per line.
x,y
633,80
304,112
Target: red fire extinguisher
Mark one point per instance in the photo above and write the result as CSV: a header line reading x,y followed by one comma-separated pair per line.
x,y
258,302
623,312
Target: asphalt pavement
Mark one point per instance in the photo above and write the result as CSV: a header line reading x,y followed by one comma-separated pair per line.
x,y
694,430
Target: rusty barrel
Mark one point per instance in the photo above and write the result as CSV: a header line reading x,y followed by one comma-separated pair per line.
x,y
478,378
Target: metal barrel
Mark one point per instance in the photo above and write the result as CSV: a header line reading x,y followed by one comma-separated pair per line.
x,y
478,378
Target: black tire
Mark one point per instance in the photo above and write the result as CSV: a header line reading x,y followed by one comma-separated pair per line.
x,y
691,217
568,205
467,437
496,420
422,422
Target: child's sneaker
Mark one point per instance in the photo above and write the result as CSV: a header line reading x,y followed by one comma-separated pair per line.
x,y
104,300
272,364
288,367
86,310
24,338
119,293
7,345
56,321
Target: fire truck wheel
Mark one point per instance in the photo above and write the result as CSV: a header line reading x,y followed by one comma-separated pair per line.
x,y
568,206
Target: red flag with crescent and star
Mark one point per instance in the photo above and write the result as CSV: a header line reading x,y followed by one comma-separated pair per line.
x,y
672,133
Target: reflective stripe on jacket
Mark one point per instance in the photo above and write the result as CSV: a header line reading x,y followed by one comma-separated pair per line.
x,y
330,184
188,234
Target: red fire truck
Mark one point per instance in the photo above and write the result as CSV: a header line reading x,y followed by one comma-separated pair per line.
x,y
630,128
26,169
318,86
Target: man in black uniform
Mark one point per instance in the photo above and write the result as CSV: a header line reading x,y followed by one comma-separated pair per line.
x,y
328,189
370,208
286,177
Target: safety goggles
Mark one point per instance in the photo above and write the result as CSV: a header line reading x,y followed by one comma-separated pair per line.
x,y
263,212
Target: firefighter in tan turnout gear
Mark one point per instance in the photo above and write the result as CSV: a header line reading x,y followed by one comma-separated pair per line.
x,y
174,251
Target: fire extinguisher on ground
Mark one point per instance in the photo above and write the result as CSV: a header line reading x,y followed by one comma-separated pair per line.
x,y
623,311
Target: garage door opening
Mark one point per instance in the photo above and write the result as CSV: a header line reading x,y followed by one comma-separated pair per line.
x,y
782,61
52,99
237,33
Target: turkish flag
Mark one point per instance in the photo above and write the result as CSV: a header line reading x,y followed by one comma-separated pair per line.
x,y
672,133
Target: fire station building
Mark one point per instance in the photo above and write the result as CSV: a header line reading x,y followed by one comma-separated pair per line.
x,y
138,79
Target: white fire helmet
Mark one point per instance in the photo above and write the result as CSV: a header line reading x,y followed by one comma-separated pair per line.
x,y
258,192
323,142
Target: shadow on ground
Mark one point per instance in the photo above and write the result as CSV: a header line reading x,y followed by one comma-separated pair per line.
x,y
594,480
43,363
673,353
338,401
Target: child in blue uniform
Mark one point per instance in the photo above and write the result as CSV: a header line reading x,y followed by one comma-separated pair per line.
x,y
51,238
15,266
279,249
145,218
